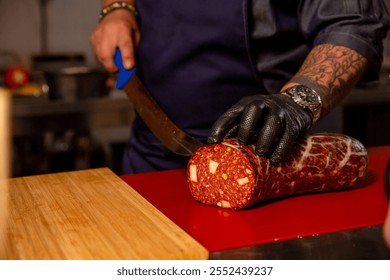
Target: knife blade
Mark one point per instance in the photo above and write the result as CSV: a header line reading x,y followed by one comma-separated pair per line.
x,y
171,136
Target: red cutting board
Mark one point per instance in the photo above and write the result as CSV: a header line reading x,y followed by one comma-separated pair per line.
x,y
219,229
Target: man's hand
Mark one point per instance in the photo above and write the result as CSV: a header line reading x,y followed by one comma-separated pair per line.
x,y
118,29
273,122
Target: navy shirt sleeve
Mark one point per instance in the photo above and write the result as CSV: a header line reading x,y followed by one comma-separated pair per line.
x,y
360,25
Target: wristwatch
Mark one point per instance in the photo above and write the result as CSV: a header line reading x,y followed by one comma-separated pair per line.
x,y
307,98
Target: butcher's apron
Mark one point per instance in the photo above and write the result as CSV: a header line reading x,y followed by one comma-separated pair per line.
x,y
194,59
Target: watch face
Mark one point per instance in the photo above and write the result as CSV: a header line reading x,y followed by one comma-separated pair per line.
x,y
307,97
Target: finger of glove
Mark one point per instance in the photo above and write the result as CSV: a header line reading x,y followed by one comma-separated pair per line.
x,y
232,133
269,135
295,128
224,125
249,125
287,141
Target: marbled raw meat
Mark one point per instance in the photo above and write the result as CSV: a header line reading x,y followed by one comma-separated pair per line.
x,y
229,175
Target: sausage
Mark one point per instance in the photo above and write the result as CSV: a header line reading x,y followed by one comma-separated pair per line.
x,y
232,176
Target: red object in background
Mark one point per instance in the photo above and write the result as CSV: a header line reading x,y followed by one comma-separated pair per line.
x,y
16,76
294,217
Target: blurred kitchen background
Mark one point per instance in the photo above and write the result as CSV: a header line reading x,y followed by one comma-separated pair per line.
x,y
67,115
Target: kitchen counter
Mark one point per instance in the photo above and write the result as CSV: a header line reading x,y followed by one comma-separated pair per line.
x,y
32,116
47,131
93,214
333,225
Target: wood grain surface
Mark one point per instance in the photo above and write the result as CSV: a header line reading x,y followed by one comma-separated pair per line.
x,y
5,147
90,214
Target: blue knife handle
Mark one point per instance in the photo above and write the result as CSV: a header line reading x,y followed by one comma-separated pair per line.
x,y
124,74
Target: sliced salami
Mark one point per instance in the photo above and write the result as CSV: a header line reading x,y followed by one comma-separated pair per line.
x,y
232,176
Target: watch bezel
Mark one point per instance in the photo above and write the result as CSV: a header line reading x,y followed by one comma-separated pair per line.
x,y
300,93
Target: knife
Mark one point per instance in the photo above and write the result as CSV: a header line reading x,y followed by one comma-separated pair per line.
x,y
172,137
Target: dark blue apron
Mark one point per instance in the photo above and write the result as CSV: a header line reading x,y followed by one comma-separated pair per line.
x,y
194,59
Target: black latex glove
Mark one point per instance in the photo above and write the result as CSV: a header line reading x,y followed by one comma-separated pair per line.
x,y
272,122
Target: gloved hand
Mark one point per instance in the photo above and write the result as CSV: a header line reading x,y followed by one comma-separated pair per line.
x,y
273,122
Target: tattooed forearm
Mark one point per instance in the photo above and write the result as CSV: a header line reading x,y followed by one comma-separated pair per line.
x,y
332,71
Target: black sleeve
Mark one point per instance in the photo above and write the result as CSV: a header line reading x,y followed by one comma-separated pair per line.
x,y
360,25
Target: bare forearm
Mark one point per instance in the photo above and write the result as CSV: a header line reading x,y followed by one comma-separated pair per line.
x,y
117,28
332,71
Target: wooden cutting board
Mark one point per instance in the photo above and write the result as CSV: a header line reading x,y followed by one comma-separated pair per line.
x,y
5,148
89,214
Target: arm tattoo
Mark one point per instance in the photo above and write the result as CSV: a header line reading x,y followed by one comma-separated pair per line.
x,y
332,71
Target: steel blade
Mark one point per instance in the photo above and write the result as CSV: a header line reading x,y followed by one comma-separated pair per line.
x,y
172,137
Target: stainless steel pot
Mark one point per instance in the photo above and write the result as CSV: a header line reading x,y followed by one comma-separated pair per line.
x,y
73,83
